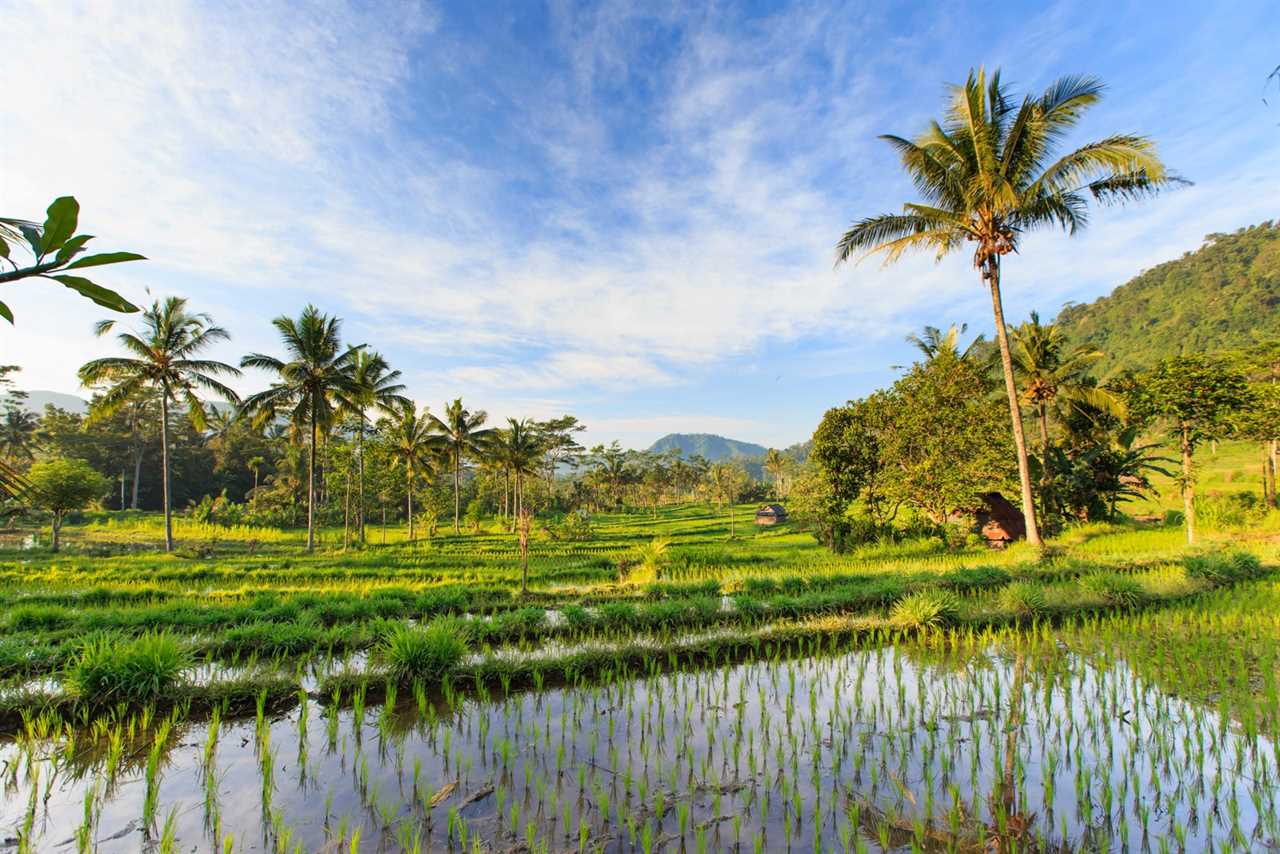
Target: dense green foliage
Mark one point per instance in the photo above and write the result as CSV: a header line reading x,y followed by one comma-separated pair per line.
x,y
1223,296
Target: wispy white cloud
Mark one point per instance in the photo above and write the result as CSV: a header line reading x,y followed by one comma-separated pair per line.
x,y
645,202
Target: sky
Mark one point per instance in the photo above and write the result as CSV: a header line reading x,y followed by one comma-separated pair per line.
x,y
624,211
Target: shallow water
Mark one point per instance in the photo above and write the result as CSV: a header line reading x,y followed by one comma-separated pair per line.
x,y
862,748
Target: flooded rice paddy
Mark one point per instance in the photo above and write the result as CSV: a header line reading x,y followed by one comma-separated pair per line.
x,y
1030,747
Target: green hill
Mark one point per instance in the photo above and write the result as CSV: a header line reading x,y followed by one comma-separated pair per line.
x,y
1224,295
708,445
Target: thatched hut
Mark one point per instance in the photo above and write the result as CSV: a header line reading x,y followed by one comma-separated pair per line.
x,y
771,514
999,522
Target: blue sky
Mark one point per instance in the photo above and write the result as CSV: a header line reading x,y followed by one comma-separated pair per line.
x,y
625,211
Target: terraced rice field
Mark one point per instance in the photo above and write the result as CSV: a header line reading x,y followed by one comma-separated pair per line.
x,y
753,694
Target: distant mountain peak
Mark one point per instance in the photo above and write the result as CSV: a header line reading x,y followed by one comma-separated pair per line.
x,y
708,445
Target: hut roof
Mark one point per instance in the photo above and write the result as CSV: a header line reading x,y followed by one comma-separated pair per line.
x,y
772,510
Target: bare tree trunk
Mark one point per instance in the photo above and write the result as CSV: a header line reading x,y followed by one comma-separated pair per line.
x,y
1188,487
57,532
164,467
122,489
1011,388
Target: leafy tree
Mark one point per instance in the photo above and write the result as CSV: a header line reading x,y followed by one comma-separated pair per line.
x,y
310,386
988,175
1195,396
57,238
942,445
560,446
61,486
378,387
163,366
461,437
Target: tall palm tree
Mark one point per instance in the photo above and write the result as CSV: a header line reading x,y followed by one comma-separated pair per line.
x,y
18,435
934,342
163,366
775,464
376,387
310,386
1051,374
988,174
518,449
411,446
461,436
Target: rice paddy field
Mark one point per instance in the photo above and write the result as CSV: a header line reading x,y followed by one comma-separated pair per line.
x,y
662,686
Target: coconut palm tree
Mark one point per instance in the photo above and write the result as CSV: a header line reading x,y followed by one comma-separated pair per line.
x,y
411,446
376,387
934,342
518,449
310,386
1051,374
776,465
988,174
18,435
162,366
460,435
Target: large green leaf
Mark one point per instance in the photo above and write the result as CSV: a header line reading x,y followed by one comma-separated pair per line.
x,y
102,296
106,258
6,313
72,248
60,224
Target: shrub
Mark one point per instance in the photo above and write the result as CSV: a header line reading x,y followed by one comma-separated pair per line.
x,y
974,578
109,669
1222,568
423,652
39,618
1022,599
925,609
1114,589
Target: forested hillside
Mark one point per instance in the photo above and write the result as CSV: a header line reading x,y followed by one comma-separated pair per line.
x,y
709,446
1224,295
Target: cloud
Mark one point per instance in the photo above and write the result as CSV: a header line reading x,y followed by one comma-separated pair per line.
x,y
621,199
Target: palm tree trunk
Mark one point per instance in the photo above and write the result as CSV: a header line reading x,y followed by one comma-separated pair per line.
x,y
457,483
1275,493
311,485
409,490
164,469
346,512
1188,487
1011,388
360,477
137,477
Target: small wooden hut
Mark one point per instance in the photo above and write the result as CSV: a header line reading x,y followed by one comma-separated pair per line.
x,y
999,522
771,514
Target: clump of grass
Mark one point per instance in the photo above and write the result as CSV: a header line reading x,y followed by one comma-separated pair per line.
x,y
650,558
1022,599
427,652
1114,588
109,668
1222,567
925,609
